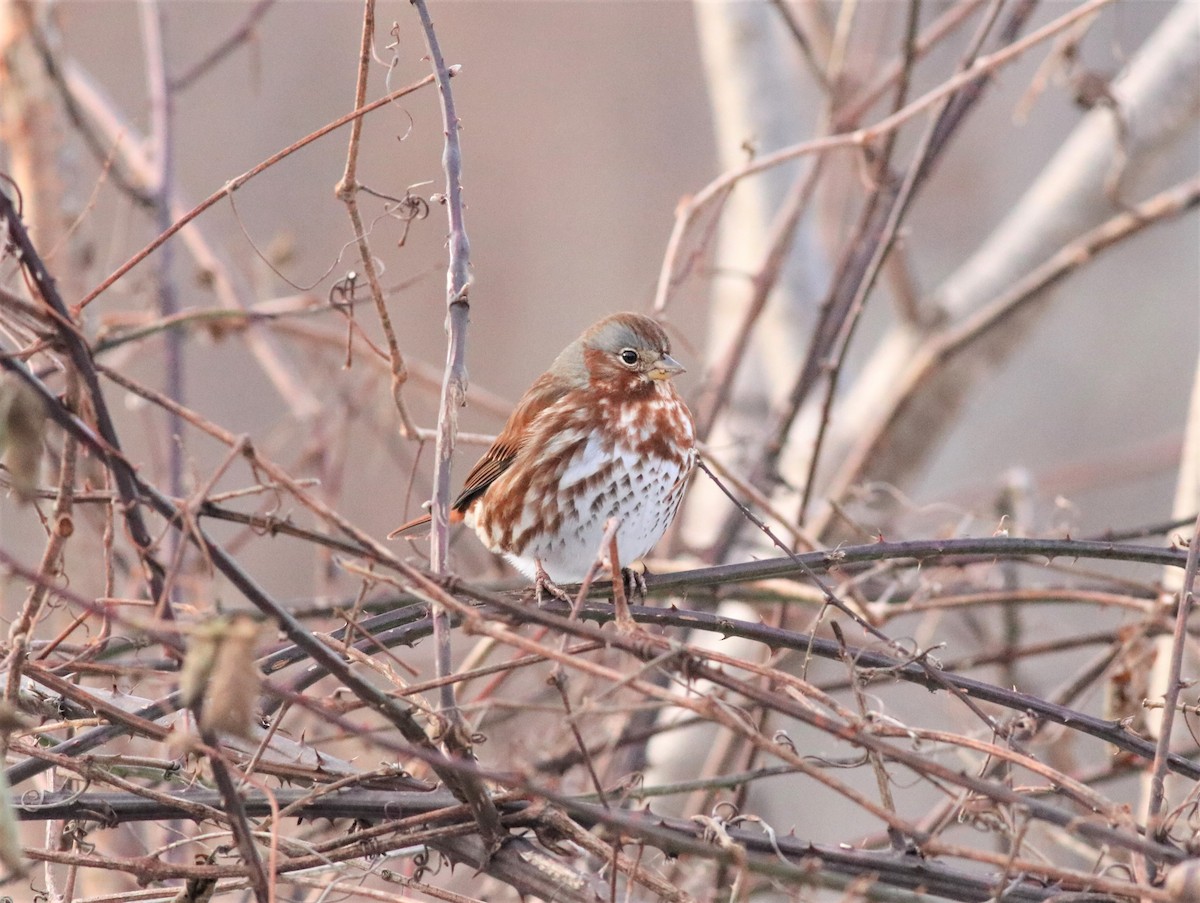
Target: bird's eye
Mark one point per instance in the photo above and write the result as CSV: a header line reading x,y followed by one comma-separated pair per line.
x,y
629,357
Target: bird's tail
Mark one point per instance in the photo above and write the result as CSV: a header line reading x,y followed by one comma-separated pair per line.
x,y
411,528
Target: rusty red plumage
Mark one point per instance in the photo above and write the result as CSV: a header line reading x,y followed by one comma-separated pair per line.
x,y
602,434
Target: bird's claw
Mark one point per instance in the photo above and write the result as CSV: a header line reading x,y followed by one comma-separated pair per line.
x,y
543,585
632,586
635,584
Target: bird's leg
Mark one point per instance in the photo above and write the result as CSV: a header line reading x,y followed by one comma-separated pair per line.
x,y
626,582
622,619
543,583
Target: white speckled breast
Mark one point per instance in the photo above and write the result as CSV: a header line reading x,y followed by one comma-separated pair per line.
x,y
585,476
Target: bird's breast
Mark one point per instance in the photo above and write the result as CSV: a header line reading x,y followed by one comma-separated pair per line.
x,y
581,465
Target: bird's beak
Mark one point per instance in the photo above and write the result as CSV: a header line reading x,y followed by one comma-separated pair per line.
x,y
665,367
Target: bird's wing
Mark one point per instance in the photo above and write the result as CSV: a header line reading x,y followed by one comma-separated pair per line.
x,y
545,391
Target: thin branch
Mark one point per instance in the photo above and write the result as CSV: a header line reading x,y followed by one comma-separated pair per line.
x,y
234,184
943,124
1162,750
162,139
109,446
239,36
693,207
849,115
719,383
811,61
347,191
76,114
454,385
231,803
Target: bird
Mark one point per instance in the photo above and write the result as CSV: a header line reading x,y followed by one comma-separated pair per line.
x,y
602,434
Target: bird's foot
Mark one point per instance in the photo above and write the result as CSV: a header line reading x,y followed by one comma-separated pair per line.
x,y
630,585
635,584
543,586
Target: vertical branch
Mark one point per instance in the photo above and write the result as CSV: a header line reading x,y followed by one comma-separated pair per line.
x,y
347,193
943,123
758,97
162,116
454,379
1168,663
261,884
749,69
1162,749
242,35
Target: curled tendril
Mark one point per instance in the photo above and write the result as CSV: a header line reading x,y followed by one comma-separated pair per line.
x,y
731,811
713,830
77,833
781,737
411,207
341,293
421,861
633,782
33,800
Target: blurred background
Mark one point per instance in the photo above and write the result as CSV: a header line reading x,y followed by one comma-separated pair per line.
x,y
584,127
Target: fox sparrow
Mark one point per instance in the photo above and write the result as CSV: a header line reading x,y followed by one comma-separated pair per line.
x,y
601,434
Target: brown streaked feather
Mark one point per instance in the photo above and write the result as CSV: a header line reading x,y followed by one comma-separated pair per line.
x,y
546,390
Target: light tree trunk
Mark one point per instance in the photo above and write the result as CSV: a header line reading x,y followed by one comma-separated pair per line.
x,y
904,402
